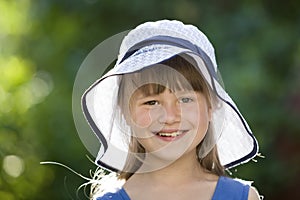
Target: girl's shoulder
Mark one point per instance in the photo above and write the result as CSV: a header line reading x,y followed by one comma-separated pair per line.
x,y
118,195
228,188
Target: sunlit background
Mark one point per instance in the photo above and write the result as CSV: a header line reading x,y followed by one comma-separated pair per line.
x,y
43,43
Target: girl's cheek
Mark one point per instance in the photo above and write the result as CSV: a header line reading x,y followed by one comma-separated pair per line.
x,y
142,119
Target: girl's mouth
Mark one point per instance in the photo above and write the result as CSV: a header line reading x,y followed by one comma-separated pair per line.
x,y
170,135
173,134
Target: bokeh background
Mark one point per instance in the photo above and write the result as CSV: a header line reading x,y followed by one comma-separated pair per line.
x,y
44,42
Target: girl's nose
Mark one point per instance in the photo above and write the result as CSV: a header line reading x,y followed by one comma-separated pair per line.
x,y
170,113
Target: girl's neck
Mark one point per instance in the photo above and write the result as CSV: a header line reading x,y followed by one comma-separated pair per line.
x,y
183,170
183,179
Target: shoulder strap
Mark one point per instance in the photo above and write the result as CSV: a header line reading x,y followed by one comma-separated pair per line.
x,y
228,188
119,195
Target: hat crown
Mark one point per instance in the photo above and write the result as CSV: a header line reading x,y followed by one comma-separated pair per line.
x,y
172,28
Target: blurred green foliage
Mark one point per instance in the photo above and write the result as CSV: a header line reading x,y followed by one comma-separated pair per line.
x,y
43,43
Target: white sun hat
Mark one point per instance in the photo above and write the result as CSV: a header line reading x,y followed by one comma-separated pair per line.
x,y
148,44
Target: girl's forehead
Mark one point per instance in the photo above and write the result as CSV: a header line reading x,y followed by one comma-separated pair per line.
x,y
154,90
162,76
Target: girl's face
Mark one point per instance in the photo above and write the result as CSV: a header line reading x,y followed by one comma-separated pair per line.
x,y
169,124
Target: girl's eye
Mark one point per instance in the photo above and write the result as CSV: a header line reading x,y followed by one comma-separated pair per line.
x,y
151,103
185,100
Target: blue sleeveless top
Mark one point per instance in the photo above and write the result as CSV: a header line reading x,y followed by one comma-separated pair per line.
x,y
226,189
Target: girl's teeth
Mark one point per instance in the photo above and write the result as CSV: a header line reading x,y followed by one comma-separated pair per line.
x,y
174,134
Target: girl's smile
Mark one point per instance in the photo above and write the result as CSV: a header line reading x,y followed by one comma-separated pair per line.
x,y
170,134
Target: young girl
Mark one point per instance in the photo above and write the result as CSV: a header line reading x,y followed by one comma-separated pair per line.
x,y
167,127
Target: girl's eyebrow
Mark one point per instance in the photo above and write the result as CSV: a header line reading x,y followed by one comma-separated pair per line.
x,y
142,95
183,92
